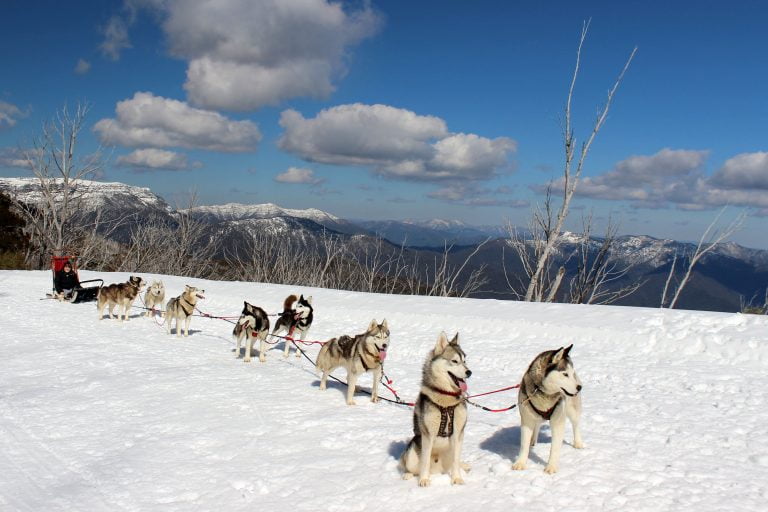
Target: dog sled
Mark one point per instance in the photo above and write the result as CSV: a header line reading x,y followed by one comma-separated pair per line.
x,y
86,291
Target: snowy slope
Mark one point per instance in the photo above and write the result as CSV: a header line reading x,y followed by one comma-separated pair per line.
x,y
102,416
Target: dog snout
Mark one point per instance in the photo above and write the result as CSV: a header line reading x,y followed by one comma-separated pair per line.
x,y
578,387
469,374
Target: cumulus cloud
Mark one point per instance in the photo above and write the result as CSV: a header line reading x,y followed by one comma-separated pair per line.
x,y
744,171
15,157
151,159
9,115
393,142
116,39
244,54
298,175
152,121
82,67
677,178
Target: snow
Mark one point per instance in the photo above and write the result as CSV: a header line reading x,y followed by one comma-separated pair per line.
x,y
238,211
102,415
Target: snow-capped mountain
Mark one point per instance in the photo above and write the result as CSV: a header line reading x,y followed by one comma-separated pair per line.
x,y
235,212
93,194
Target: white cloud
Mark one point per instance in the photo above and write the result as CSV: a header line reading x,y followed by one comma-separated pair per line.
x,y
394,142
244,54
156,159
298,175
744,171
9,115
115,37
82,67
152,121
15,157
676,178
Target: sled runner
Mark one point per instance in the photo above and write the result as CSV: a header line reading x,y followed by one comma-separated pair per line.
x,y
84,291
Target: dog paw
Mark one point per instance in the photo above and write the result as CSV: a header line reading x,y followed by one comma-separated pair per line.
x,y
466,467
550,469
375,399
518,466
407,476
424,482
457,480
263,359
578,445
351,402
247,360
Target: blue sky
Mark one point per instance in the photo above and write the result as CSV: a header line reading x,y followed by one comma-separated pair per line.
x,y
402,109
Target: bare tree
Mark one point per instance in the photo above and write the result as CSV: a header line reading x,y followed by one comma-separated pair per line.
x,y
712,236
538,261
53,211
597,269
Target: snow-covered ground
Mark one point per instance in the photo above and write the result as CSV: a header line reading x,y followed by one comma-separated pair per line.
x,y
103,416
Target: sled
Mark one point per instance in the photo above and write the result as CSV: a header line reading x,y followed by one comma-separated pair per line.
x,y
86,292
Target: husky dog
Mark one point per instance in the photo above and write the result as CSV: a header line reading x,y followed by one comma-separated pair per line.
x,y
154,296
122,295
363,353
253,323
439,415
295,319
182,308
549,391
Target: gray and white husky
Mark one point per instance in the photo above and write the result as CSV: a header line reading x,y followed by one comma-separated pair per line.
x,y
359,354
253,323
155,296
182,308
439,415
295,320
549,392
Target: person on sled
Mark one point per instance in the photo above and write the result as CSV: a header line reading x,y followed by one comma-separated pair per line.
x,y
66,282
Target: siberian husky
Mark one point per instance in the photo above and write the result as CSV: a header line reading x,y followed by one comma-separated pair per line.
x,y
439,415
360,354
182,308
295,320
549,391
155,296
121,295
253,323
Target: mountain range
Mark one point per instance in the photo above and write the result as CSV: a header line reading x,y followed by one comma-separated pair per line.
x,y
723,280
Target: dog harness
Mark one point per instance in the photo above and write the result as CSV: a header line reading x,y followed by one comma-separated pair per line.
x,y
185,309
446,418
544,414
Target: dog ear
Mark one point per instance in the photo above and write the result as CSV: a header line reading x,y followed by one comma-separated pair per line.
x,y
384,324
567,350
373,325
558,355
455,340
309,300
442,344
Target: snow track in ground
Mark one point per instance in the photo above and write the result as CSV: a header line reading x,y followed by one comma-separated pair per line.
x,y
99,415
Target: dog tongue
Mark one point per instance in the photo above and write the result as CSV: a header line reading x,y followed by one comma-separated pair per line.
x,y
382,355
463,386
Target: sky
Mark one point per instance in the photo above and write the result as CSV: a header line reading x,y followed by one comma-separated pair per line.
x,y
406,110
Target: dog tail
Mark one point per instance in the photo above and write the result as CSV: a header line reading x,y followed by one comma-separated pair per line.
x,y
289,300
323,357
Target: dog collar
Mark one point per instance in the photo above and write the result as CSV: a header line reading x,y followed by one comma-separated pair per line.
x,y
444,392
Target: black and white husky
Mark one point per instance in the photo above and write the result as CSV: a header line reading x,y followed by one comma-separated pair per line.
x,y
359,354
439,415
295,320
253,323
549,392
